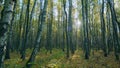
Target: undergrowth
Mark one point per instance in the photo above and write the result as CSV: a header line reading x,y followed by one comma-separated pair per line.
x,y
58,60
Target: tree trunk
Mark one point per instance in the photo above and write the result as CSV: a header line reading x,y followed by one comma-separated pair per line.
x,y
66,25
38,37
5,21
103,30
70,28
115,29
25,38
10,32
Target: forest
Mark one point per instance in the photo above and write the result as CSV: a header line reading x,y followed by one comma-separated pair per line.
x,y
59,34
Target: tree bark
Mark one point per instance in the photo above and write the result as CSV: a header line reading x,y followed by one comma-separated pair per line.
x,y
66,25
10,32
115,29
5,21
25,38
38,37
103,30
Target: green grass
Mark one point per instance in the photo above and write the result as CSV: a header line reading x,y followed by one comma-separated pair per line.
x,y
58,60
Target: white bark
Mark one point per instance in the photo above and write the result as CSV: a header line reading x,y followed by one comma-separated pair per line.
x,y
5,21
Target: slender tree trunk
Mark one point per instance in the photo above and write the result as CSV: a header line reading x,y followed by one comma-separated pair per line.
x,y
103,30
30,27
66,25
26,32
86,34
38,37
115,29
63,34
20,27
50,26
83,20
109,35
85,27
70,29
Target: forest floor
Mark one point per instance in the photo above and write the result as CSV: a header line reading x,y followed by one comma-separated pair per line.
x,y
58,60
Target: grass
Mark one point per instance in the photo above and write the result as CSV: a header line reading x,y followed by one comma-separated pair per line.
x,y
58,60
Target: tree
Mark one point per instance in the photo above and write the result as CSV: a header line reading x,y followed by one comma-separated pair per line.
x,y
49,28
85,27
38,37
103,30
5,21
115,29
66,29
10,30
70,28
23,50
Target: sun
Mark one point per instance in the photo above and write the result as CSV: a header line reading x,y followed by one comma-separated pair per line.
x,y
77,24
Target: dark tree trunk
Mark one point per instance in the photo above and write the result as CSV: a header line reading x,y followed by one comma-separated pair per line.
x,y
103,30
115,29
25,39
38,37
66,25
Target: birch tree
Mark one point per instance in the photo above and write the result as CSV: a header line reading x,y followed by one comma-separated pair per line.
x,y
38,37
5,21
